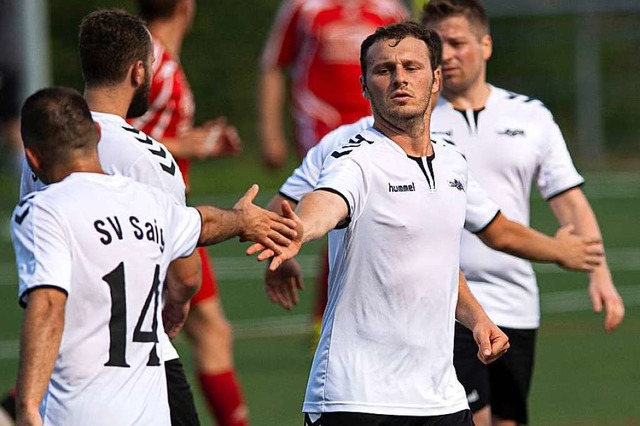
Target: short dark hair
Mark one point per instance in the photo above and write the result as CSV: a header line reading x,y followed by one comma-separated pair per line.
x,y
151,10
399,32
110,41
437,10
56,121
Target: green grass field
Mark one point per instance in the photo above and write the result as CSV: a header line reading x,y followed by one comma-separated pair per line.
x,y
582,377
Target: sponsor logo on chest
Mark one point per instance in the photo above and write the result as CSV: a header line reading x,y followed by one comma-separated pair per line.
x,y
402,187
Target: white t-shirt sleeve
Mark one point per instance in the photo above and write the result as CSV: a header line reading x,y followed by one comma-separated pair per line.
x,y
185,224
481,210
41,245
346,176
557,172
306,176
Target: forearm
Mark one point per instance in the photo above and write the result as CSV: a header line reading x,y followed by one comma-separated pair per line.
x,y
275,205
521,241
218,225
468,310
39,344
183,279
271,98
320,212
573,208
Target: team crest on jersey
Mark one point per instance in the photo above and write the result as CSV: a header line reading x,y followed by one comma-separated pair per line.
x,y
456,184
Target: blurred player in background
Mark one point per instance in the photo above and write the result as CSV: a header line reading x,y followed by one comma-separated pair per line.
x,y
170,119
511,142
318,44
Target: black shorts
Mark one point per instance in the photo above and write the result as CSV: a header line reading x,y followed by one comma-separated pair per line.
x,y
181,405
504,384
461,418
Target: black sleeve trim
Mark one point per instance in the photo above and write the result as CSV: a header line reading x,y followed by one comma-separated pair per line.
x,y
28,291
580,185
498,213
283,195
347,221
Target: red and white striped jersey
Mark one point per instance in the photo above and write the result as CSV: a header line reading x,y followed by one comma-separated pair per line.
x,y
319,41
171,105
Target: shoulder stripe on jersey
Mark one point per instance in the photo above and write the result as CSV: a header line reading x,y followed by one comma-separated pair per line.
x,y
347,221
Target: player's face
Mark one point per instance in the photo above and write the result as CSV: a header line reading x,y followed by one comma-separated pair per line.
x,y
464,54
140,102
399,79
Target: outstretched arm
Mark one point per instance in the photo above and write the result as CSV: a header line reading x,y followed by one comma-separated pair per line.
x,y
39,344
576,252
248,221
318,212
573,208
492,342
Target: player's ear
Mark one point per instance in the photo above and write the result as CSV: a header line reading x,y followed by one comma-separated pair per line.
x,y
487,46
137,73
363,84
34,159
437,80
98,130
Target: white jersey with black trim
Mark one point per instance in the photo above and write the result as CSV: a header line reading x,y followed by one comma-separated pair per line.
x,y
106,242
509,144
480,209
126,151
386,345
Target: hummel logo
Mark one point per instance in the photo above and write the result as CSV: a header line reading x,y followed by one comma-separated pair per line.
x,y
443,132
512,132
402,188
456,184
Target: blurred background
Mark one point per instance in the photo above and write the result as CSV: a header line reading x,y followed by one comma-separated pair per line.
x,y
581,58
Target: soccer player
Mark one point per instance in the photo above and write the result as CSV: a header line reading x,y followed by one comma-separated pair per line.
x,y
92,252
317,43
116,54
395,203
511,141
170,120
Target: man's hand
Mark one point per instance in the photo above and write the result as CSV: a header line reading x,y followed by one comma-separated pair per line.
x,y
174,315
492,342
261,226
603,294
578,253
282,285
281,253
215,138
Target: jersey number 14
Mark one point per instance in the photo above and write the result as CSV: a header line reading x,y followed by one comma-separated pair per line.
x,y
118,320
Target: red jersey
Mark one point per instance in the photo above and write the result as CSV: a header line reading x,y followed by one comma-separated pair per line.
x,y
171,106
319,40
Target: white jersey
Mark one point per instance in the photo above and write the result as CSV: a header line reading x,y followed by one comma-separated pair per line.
x,y
480,209
126,151
509,144
106,242
387,335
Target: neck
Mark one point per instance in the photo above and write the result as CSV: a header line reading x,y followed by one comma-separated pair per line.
x,y
61,171
111,99
170,32
474,97
413,136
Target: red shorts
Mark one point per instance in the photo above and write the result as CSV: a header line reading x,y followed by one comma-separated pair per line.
x,y
209,286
